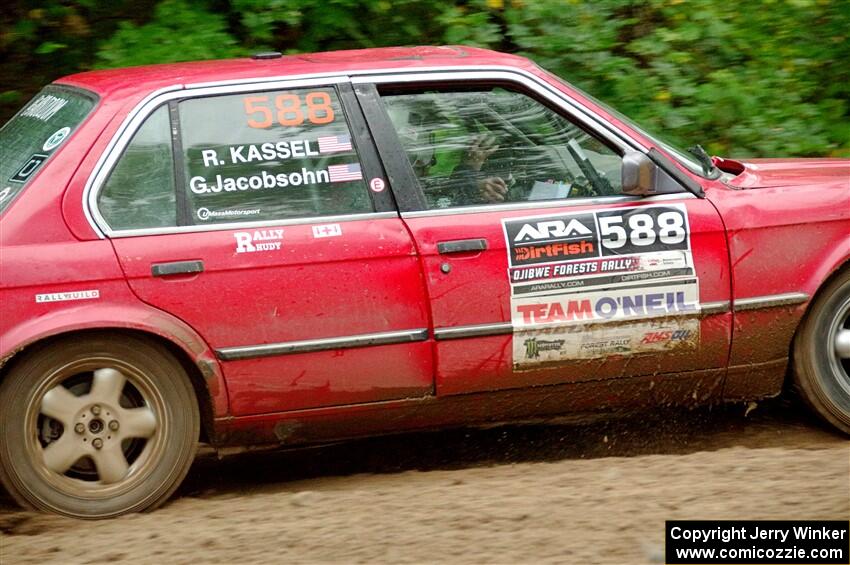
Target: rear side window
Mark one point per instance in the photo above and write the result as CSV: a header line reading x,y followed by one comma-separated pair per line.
x,y
270,155
140,190
30,138
260,156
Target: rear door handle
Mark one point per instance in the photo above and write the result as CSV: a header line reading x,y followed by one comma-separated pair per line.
x,y
177,268
461,246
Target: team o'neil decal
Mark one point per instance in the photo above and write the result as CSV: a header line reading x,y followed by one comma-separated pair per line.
x,y
598,283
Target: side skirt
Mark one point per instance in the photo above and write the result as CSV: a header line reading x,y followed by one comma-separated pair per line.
x,y
486,408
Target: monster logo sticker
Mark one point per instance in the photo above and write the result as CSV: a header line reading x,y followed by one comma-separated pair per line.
x,y
534,346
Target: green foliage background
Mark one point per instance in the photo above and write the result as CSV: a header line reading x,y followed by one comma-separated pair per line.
x,y
756,78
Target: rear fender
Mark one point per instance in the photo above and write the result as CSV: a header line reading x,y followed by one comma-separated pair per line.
x,y
138,317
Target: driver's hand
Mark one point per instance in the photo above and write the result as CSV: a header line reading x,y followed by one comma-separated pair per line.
x,y
492,189
483,146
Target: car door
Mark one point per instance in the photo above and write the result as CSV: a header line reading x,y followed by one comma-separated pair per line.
x,y
247,213
539,270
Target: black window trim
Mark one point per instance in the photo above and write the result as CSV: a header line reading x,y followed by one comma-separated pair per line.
x,y
178,162
403,182
367,153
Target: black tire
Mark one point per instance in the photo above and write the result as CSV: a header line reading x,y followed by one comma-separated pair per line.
x,y
121,408
821,366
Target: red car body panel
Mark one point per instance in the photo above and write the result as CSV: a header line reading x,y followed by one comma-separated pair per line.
x,y
761,173
483,364
779,227
368,278
77,266
781,240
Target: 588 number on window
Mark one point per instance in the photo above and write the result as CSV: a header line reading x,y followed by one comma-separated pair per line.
x,y
288,109
639,230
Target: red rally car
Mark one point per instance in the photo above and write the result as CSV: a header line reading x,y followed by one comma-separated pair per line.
x,y
292,250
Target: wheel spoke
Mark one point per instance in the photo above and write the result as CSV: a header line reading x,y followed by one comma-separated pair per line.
x,y
138,423
842,344
60,404
107,386
111,464
60,455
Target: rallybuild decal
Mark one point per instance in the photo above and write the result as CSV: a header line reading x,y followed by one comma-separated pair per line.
x,y
67,296
599,283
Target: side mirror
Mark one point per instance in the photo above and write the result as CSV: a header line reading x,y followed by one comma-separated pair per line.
x,y
638,174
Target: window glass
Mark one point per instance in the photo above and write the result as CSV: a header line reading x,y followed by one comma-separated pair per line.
x,y
270,155
38,131
682,156
140,190
495,145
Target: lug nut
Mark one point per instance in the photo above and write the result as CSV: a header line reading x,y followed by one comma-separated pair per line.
x,y
95,409
80,428
97,443
113,425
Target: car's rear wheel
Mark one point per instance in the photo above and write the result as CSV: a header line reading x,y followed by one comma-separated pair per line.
x,y
96,426
822,354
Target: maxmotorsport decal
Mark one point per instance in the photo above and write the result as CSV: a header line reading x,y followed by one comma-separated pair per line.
x,y
587,284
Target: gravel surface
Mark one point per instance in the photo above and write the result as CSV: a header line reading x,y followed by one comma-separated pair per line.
x,y
559,493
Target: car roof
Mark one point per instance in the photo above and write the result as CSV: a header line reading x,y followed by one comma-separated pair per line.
x,y
153,77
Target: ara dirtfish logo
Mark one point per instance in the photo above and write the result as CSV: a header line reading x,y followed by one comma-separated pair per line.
x,y
552,229
534,346
562,227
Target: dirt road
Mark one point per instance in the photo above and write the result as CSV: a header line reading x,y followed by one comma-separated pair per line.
x,y
596,493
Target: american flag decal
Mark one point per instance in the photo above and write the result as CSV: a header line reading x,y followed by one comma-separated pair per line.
x,y
345,173
334,143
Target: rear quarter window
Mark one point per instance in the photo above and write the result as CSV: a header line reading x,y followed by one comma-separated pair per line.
x,y
36,133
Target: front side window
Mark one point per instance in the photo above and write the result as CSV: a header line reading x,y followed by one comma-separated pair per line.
x,y
29,139
270,155
494,145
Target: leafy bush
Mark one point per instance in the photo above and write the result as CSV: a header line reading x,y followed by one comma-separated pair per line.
x,y
768,77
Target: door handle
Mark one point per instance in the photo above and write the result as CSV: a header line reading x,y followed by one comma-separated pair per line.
x,y
177,268
461,246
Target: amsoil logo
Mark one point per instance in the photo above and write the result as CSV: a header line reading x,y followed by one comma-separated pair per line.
x,y
665,336
534,346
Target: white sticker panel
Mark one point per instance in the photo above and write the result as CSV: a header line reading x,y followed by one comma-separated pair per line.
x,y
596,283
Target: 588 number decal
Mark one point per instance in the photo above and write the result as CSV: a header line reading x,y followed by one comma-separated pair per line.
x,y
288,109
638,230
